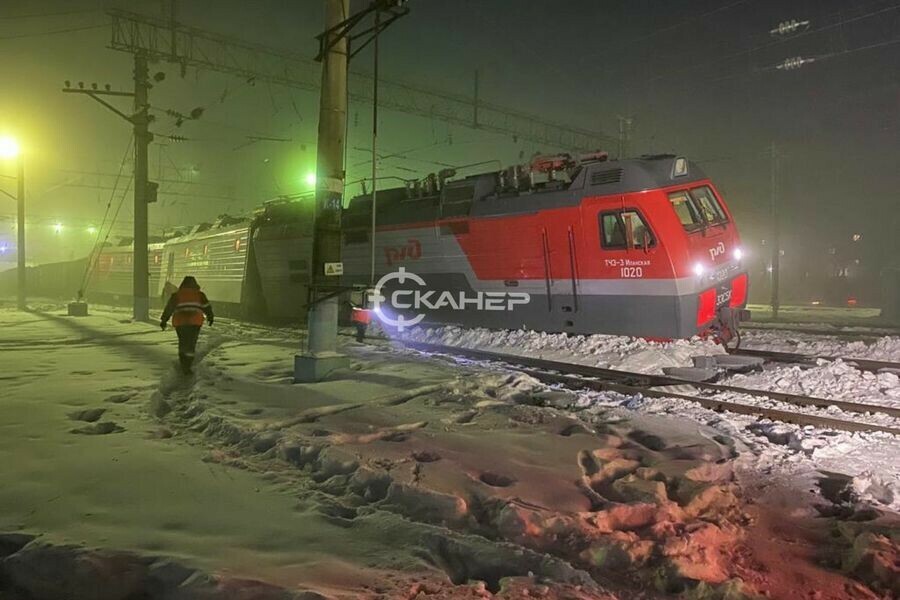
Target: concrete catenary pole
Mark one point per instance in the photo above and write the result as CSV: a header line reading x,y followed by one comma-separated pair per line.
x,y
320,357
142,140
21,293
374,145
776,236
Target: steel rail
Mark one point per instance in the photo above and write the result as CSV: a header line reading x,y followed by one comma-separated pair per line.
x,y
863,364
629,382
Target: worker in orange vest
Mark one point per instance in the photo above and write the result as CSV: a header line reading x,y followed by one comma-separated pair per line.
x,y
187,307
361,318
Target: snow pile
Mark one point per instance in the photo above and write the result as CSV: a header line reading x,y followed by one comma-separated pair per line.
x,y
885,348
871,459
606,351
835,380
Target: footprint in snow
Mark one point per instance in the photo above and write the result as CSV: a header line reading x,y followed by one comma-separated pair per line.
x,y
89,415
102,428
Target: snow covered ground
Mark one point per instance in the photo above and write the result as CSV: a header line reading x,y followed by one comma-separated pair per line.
x,y
411,468
606,351
871,459
886,348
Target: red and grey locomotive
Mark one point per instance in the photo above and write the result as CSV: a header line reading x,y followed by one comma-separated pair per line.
x,y
643,247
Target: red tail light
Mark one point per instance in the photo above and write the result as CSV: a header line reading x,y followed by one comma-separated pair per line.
x,y
706,307
738,291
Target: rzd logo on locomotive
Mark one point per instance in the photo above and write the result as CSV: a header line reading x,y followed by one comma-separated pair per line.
x,y
412,251
717,251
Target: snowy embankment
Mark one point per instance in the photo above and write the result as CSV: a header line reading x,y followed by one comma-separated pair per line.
x,y
886,348
834,380
871,459
606,351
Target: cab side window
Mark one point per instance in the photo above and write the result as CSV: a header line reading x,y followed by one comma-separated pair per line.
x,y
620,230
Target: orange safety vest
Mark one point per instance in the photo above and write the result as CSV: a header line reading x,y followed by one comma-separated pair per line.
x,y
189,305
361,315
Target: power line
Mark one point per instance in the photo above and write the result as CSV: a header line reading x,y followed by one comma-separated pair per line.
x,y
89,267
860,49
52,32
195,47
770,44
48,14
684,22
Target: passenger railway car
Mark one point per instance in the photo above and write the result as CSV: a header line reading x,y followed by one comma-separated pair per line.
x,y
110,277
643,247
255,266
216,254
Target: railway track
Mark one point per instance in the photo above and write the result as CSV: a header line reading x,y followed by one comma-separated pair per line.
x,y
863,364
610,380
853,332
577,376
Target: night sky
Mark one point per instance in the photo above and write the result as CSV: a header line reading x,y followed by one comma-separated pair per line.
x,y
696,76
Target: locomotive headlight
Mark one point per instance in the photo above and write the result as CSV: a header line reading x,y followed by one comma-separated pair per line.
x,y
699,269
738,254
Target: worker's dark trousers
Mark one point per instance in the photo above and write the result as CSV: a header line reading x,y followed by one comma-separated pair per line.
x,y
187,344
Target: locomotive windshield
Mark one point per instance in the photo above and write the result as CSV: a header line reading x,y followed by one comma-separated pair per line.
x,y
697,208
709,206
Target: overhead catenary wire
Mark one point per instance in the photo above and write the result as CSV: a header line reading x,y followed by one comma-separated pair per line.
x,y
95,251
44,15
770,44
53,32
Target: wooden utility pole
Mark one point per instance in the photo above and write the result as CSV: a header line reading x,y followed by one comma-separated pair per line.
x,y
142,139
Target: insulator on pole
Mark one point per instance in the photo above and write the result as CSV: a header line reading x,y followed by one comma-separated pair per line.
x,y
793,63
789,27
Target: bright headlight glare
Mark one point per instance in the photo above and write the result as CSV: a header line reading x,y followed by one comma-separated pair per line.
x,y
699,269
738,254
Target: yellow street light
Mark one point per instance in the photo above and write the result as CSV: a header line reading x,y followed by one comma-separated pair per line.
x,y
9,147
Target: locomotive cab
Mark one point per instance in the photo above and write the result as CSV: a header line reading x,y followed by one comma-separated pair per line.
x,y
710,258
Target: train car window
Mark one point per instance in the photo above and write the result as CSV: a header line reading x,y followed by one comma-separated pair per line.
x,y
614,233
708,204
686,210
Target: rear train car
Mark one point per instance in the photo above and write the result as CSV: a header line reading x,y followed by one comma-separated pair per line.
x,y
110,278
644,247
217,255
